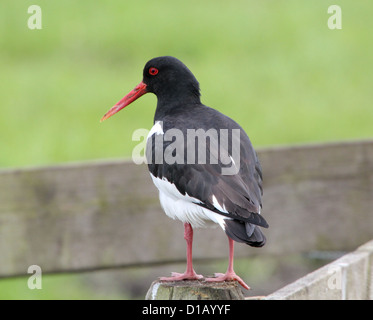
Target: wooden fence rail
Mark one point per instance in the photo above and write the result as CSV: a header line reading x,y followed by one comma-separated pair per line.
x,y
106,214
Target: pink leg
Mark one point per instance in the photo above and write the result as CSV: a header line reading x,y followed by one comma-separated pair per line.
x,y
189,273
230,275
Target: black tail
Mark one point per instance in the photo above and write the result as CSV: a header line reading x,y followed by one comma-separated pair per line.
x,y
245,232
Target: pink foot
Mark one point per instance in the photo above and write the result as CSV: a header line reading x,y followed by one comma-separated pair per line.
x,y
175,276
229,276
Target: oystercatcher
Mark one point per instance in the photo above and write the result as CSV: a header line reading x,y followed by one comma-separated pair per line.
x,y
202,162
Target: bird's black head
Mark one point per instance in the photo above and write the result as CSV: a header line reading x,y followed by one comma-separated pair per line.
x,y
169,79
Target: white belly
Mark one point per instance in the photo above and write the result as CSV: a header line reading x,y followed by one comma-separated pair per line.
x,y
185,208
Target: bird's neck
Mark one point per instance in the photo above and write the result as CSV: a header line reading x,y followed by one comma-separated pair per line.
x,y
171,103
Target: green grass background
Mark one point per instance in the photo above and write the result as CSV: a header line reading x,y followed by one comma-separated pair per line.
x,y
274,66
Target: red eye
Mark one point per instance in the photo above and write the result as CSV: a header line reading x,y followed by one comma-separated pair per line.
x,y
153,71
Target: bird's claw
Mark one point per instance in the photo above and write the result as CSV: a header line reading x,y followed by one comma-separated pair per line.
x,y
175,276
229,276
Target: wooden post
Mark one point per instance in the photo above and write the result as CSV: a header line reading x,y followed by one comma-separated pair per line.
x,y
194,290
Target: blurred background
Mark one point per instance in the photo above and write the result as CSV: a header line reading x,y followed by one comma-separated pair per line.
x,y
273,66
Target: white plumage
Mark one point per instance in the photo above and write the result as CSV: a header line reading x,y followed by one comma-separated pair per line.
x,y
156,129
186,208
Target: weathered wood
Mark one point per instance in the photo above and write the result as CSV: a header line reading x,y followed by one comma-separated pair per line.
x,y
194,290
100,215
348,278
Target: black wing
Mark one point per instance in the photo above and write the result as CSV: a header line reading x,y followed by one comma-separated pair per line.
x,y
237,196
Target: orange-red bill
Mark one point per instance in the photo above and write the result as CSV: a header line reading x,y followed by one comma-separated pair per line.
x,y
136,93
